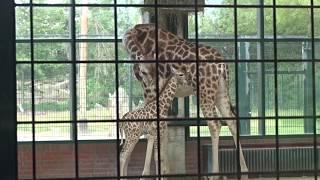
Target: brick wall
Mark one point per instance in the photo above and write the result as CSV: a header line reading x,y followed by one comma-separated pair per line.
x,y
97,158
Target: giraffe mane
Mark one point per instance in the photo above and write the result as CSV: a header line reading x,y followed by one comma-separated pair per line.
x,y
163,88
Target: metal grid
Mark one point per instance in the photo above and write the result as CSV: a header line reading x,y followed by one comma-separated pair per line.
x,y
74,62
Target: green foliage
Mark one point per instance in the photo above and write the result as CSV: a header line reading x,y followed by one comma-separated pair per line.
x,y
47,106
54,22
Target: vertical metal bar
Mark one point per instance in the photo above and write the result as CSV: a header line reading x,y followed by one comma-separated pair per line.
x,y
261,70
8,108
276,86
116,52
315,149
74,87
235,15
34,176
198,93
157,85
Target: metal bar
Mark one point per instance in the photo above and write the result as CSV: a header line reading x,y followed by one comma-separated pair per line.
x,y
198,89
8,108
34,175
74,87
173,61
235,18
156,13
314,105
169,119
276,86
172,5
117,88
207,39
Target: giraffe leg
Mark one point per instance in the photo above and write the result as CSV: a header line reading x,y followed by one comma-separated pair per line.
x,y
155,155
214,128
223,103
147,162
125,154
164,152
209,111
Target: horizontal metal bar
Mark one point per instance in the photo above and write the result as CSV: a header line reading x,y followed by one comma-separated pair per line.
x,y
170,5
207,39
167,119
121,61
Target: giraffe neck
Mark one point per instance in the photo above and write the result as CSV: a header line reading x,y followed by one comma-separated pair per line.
x,y
166,96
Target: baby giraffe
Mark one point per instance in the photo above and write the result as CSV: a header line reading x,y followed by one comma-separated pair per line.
x,y
133,130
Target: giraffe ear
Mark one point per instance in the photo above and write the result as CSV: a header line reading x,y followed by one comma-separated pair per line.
x,y
173,70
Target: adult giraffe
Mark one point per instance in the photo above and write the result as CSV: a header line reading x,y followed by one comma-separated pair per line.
x,y
140,41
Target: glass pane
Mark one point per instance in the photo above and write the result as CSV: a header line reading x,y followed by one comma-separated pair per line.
x,y
97,95
292,89
247,22
136,2
248,2
317,86
213,23
53,132
51,22
268,2
94,22
24,132
294,2
52,51
95,1
225,48
23,74
268,23
294,50
51,1
23,52
127,18
317,31
96,51
220,2
122,52
22,22
94,131
52,92
21,1
55,160
289,26
269,91
291,126
95,82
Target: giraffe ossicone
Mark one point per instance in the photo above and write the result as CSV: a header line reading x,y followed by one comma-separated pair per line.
x,y
176,52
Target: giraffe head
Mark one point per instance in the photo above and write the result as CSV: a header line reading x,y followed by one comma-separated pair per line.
x,y
182,77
